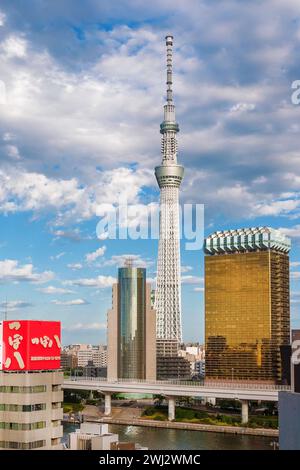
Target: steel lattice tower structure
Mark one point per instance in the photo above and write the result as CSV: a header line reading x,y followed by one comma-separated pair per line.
x,y
169,176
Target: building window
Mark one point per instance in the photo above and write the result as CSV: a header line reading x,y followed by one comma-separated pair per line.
x,y
56,406
22,408
23,426
29,389
22,445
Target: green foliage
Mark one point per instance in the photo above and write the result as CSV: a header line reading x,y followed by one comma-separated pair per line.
x,y
94,402
183,413
72,407
159,417
189,415
267,422
71,396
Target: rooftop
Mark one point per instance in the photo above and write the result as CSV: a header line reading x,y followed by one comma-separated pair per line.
x,y
246,239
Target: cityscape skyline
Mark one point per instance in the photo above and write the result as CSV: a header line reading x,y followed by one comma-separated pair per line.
x,y
149,290
53,177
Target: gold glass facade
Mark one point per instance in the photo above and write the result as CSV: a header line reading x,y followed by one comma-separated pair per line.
x,y
247,315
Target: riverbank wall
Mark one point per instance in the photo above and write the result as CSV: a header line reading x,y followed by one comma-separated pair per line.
x,y
191,426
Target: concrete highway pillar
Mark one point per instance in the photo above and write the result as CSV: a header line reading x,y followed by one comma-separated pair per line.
x,y
107,404
171,408
245,412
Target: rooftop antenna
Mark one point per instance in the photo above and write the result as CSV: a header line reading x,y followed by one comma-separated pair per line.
x,y
5,311
128,262
169,44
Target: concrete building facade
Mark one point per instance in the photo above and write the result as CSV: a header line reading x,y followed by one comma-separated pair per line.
x,y
289,420
31,410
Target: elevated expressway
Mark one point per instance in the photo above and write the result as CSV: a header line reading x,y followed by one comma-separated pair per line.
x,y
243,392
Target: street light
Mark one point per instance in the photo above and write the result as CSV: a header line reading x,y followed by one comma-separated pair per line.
x,y
275,445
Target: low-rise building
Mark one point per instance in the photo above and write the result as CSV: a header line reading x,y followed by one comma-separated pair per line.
x,y
95,436
68,361
173,367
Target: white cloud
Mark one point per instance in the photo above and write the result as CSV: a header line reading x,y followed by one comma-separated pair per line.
x,y
294,264
119,261
75,235
85,326
260,180
2,18
123,75
13,305
101,282
58,256
186,269
276,208
14,46
13,152
295,275
240,107
11,270
27,191
50,290
75,266
199,289
90,257
189,279
70,303
293,232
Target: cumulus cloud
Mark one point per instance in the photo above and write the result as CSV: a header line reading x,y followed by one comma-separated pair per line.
x,y
11,270
293,232
186,269
119,260
85,326
25,191
189,279
13,46
100,282
13,305
295,275
70,303
58,256
2,18
52,290
90,257
239,107
239,57
75,266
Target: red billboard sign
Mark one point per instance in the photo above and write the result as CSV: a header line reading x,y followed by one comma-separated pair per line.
x,y
29,345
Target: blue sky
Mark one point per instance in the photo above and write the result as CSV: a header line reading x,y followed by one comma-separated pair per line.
x,y
79,128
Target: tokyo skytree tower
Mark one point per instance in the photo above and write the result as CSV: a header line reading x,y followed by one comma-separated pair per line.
x,y
169,176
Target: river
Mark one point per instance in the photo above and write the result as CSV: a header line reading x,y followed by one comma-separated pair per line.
x,y
169,439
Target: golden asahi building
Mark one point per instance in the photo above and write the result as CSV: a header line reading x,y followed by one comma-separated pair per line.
x,y
247,310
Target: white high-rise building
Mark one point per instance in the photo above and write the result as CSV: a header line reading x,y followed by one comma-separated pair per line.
x,y
169,176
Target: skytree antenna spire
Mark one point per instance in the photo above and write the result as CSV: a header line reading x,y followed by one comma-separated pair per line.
x,y
169,176
169,44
